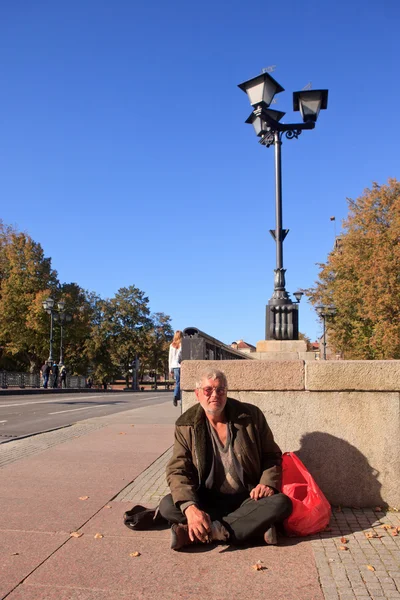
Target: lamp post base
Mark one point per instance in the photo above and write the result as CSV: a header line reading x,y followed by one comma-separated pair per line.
x,y
282,320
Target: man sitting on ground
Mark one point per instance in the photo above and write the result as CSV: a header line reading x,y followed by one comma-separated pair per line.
x,y
225,472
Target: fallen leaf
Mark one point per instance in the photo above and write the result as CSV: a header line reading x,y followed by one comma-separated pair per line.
x,y
257,567
135,554
370,568
395,532
108,506
75,534
83,497
122,433
343,548
386,526
132,426
398,529
15,554
98,536
378,509
371,534
344,540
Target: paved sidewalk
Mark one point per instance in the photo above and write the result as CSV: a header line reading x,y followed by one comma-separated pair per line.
x,y
83,478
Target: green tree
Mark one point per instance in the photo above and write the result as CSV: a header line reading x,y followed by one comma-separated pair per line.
x,y
361,277
158,339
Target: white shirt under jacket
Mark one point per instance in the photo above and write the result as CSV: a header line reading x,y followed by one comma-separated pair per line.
x,y
175,357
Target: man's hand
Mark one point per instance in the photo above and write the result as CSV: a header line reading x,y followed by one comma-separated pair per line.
x,y
261,491
199,524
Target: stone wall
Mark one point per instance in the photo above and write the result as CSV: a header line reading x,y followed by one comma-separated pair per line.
x,y
342,418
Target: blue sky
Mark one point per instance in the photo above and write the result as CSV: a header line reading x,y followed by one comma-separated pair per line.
x,y
124,151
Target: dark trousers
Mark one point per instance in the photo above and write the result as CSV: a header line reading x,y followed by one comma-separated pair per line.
x,y
243,517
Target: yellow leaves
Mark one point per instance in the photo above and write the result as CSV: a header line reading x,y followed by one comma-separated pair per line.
x,y
344,540
134,554
371,534
98,536
14,553
83,497
76,534
343,548
108,506
370,568
259,566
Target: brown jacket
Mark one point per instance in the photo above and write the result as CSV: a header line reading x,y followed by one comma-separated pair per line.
x,y
254,447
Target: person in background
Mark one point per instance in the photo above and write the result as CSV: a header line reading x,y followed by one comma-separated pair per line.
x,y
45,372
174,361
55,372
63,376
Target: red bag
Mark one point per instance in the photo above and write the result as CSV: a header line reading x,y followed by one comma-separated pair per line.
x,y
311,510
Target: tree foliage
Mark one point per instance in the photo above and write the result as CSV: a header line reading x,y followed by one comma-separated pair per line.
x,y
361,277
103,337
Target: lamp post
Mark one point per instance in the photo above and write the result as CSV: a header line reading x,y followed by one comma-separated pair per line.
x,y
325,312
282,321
62,317
56,315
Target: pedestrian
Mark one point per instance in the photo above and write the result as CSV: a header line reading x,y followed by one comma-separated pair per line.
x,y
55,371
89,382
63,376
174,361
45,372
225,471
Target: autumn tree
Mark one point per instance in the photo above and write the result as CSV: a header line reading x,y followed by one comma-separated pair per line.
x,y
361,277
26,276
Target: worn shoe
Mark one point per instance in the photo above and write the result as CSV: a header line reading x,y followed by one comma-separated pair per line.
x,y
270,536
180,536
175,402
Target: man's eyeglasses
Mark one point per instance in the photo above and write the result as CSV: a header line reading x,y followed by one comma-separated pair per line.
x,y
207,391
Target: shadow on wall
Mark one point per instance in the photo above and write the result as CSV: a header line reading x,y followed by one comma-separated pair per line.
x,y
342,472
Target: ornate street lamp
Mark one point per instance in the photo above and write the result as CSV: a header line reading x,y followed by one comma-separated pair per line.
x,y
56,315
282,320
325,312
62,317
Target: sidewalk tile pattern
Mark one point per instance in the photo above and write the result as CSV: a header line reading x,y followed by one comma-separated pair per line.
x,y
360,557
150,486
369,567
17,449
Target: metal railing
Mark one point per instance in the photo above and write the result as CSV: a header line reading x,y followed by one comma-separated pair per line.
x,y
33,380
197,345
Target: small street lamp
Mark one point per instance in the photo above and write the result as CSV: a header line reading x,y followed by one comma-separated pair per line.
x,y
56,315
282,320
325,312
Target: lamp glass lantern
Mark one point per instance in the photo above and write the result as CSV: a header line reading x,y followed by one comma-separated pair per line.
x,y
309,103
261,89
260,124
298,295
61,305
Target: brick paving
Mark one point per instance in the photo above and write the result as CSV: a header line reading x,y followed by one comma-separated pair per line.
x,y
358,558
17,449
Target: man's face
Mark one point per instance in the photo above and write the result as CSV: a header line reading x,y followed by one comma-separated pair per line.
x,y
212,396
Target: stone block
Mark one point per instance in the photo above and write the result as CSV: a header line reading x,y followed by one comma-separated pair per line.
x,y
275,355
368,375
248,374
281,346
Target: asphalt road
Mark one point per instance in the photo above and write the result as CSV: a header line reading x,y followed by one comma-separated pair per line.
x,y
27,415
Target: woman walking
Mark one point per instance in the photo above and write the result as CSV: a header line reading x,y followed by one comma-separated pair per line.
x,y
175,357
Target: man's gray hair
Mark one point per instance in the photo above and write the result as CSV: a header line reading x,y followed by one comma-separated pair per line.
x,y
212,373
